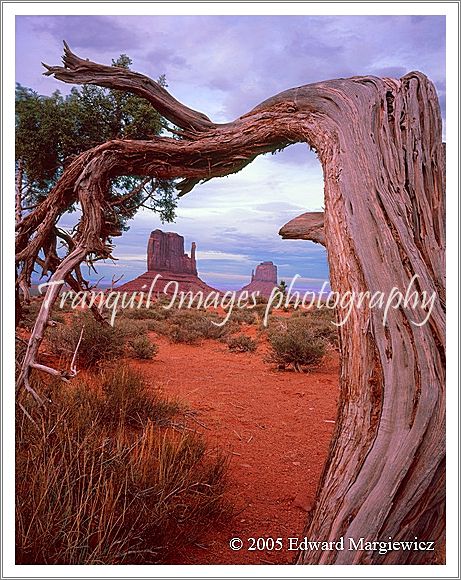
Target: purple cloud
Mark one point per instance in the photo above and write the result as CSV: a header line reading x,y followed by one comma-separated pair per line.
x,y
224,66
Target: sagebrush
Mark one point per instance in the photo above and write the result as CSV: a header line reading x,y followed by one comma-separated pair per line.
x,y
295,342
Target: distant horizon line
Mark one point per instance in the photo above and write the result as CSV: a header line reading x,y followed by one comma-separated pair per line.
x,y
101,285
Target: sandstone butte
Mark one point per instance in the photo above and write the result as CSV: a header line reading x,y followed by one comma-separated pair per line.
x,y
166,257
263,279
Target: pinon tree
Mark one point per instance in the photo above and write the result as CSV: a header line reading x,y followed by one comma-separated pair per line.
x,y
380,146
52,131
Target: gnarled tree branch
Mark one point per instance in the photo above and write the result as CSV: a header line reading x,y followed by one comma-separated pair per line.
x,y
79,72
379,143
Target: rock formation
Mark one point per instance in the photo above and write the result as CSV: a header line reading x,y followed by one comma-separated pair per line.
x,y
165,252
307,226
166,257
263,279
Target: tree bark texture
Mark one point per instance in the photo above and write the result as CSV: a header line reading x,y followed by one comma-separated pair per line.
x,y
380,145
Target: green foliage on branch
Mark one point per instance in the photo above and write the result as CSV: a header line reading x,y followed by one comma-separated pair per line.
x,y
52,130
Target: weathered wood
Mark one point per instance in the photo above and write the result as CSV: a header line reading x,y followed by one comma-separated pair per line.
x,y
80,71
307,226
379,143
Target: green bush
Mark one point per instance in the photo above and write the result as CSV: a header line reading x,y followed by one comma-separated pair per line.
x,y
322,322
241,343
295,342
190,326
143,348
89,491
100,342
243,315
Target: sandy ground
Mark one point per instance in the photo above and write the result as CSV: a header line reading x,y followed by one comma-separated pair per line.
x,y
277,425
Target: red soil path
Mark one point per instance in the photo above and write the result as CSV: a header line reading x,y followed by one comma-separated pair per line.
x,y
277,426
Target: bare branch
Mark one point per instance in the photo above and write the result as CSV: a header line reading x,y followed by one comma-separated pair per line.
x,y
49,370
115,280
73,368
79,71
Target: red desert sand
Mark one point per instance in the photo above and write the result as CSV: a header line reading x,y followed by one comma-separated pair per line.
x,y
277,426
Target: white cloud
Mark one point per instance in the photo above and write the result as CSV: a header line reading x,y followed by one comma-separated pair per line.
x,y
216,255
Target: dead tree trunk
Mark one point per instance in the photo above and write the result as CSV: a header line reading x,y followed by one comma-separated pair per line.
x,y
379,143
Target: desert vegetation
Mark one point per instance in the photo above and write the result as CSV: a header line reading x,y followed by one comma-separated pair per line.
x,y
241,343
106,475
383,222
294,342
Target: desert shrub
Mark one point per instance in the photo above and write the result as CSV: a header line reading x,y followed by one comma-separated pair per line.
x,y
260,309
243,315
321,320
99,342
20,351
210,330
295,342
58,317
158,326
241,343
29,313
129,328
154,312
88,492
143,348
190,326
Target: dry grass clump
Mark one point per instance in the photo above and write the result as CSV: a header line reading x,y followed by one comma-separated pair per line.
x,y
127,400
100,481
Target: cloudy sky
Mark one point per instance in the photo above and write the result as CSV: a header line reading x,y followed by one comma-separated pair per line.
x,y
224,66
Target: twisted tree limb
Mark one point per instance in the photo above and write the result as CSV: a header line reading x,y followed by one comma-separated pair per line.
x,y
379,143
79,71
